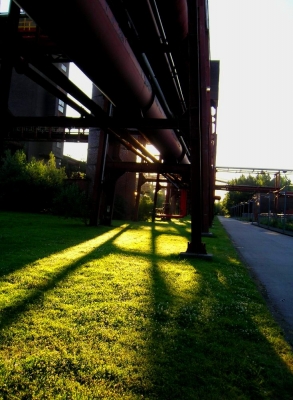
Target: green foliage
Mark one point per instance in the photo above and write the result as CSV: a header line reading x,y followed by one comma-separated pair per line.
x,y
161,198
29,186
233,198
13,166
119,207
71,202
78,175
218,208
145,208
277,221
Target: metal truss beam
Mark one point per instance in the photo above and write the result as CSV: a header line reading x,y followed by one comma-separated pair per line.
x,y
90,121
150,168
247,188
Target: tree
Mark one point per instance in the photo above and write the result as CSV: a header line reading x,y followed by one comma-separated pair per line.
x,y
264,179
145,208
29,186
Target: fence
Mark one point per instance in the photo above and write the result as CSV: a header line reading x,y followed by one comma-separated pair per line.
x,y
280,222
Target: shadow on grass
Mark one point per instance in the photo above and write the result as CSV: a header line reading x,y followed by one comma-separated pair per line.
x,y
23,240
202,342
10,314
204,345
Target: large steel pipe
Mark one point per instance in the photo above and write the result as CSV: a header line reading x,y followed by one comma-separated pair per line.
x,y
89,34
175,19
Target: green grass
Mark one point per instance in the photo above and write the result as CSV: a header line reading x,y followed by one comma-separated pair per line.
x,y
277,222
115,313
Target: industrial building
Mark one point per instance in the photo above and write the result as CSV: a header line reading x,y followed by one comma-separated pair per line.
x,y
153,83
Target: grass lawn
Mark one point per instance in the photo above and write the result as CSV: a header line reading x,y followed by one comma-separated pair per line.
x,y
115,313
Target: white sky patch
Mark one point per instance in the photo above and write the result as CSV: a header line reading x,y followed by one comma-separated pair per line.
x,y
77,150
4,6
252,39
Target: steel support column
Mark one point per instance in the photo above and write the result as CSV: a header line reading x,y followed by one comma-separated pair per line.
x,y
141,181
204,115
195,246
158,187
10,46
99,147
109,186
98,179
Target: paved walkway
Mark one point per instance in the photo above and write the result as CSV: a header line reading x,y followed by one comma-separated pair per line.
x,y
269,256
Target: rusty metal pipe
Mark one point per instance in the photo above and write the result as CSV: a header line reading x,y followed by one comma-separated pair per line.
x,y
177,16
168,56
40,80
113,69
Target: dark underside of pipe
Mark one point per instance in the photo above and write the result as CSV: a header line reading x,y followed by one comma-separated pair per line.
x,y
89,34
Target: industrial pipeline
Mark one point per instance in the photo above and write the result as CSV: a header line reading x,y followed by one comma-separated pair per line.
x,y
90,36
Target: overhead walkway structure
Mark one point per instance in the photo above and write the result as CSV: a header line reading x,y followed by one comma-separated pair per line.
x,y
153,83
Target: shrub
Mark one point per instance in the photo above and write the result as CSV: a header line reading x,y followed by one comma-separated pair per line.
x,y
71,202
145,208
119,208
29,186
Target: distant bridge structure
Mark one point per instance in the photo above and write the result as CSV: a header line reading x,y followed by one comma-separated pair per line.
x,y
247,188
253,170
251,188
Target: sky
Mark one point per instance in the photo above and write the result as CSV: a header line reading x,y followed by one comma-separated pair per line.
x,y
253,40
77,150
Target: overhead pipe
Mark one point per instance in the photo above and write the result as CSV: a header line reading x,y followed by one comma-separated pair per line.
x,y
175,23
115,70
55,75
131,143
22,67
134,145
148,68
176,17
129,146
180,14
134,142
159,92
168,56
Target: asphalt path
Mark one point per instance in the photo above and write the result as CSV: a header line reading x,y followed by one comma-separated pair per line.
x,y
269,257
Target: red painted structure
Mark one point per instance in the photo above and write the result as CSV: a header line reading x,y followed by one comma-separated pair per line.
x,y
151,61
115,70
182,206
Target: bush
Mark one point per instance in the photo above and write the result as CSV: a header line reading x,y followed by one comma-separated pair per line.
x,y
71,202
119,208
29,186
145,208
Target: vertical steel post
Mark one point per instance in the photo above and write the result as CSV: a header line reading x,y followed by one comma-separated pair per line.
x,y
204,115
269,219
98,179
285,207
140,182
156,197
9,47
195,246
99,172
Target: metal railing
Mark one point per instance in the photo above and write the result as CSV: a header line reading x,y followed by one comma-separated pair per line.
x,y
280,222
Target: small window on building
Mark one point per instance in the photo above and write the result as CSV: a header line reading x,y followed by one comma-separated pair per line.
x,y
61,106
63,67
